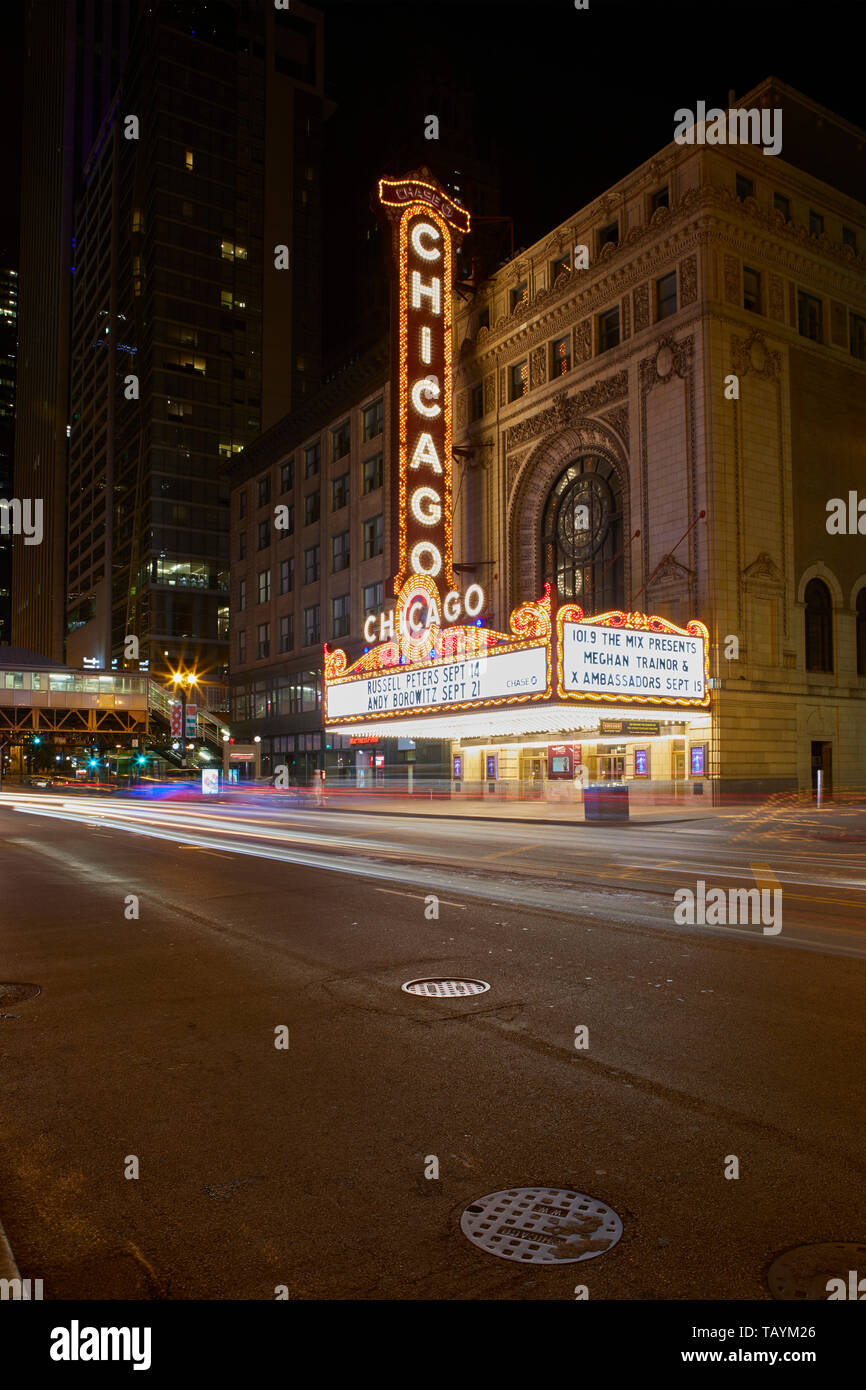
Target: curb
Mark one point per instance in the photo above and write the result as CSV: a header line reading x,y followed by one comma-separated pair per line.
x,y
8,1267
633,822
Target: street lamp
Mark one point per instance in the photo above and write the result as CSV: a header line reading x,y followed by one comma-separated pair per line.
x,y
187,680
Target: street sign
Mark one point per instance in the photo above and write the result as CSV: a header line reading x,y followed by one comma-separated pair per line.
x,y
176,717
191,712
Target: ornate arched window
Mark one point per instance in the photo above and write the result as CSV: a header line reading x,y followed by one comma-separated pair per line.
x,y
861,632
581,536
819,626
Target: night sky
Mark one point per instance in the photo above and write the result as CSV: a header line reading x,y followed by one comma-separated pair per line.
x,y
573,99
576,99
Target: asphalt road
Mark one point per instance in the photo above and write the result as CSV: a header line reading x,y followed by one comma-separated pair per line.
x,y
154,1037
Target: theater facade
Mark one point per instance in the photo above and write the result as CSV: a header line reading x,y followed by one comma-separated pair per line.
x,y
613,476
564,694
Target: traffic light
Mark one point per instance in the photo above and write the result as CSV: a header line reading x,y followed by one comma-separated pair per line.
x,y
37,739
141,760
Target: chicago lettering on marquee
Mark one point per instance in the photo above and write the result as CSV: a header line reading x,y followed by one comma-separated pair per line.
x,y
427,227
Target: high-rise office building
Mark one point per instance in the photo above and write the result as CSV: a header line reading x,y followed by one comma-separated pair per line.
x,y
73,57
190,328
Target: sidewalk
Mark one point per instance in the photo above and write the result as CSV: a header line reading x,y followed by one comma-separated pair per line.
x,y
438,807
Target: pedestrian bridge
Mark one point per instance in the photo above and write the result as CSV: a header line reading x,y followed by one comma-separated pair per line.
x,y
38,698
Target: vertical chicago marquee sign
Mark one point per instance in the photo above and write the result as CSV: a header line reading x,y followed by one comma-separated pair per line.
x,y
427,227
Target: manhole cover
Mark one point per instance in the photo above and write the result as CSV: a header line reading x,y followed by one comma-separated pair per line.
x,y
445,989
541,1225
13,994
804,1272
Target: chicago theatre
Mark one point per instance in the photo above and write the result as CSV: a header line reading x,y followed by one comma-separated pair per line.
x,y
611,484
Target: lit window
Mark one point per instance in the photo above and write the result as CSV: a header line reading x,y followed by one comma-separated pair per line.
x,y
518,380
560,357
189,159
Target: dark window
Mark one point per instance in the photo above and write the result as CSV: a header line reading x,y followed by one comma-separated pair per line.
x,y
752,289
287,476
242,545
582,536
483,319
608,235
660,199
242,507
816,223
560,357
287,633
745,187
372,473
264,533
518,295
608,330
264,586
242,646
340,552
372,416
858,336
518,380
264,490
559,265
339,492
819,626
374,531
373,597
287,575
312,460
312,564
783,205
340,440
312,507
263,640
860,611
849,237
666,295
311,625
476,403
340,615
810,316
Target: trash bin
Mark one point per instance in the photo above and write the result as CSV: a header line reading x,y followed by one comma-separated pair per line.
x,y
605,801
